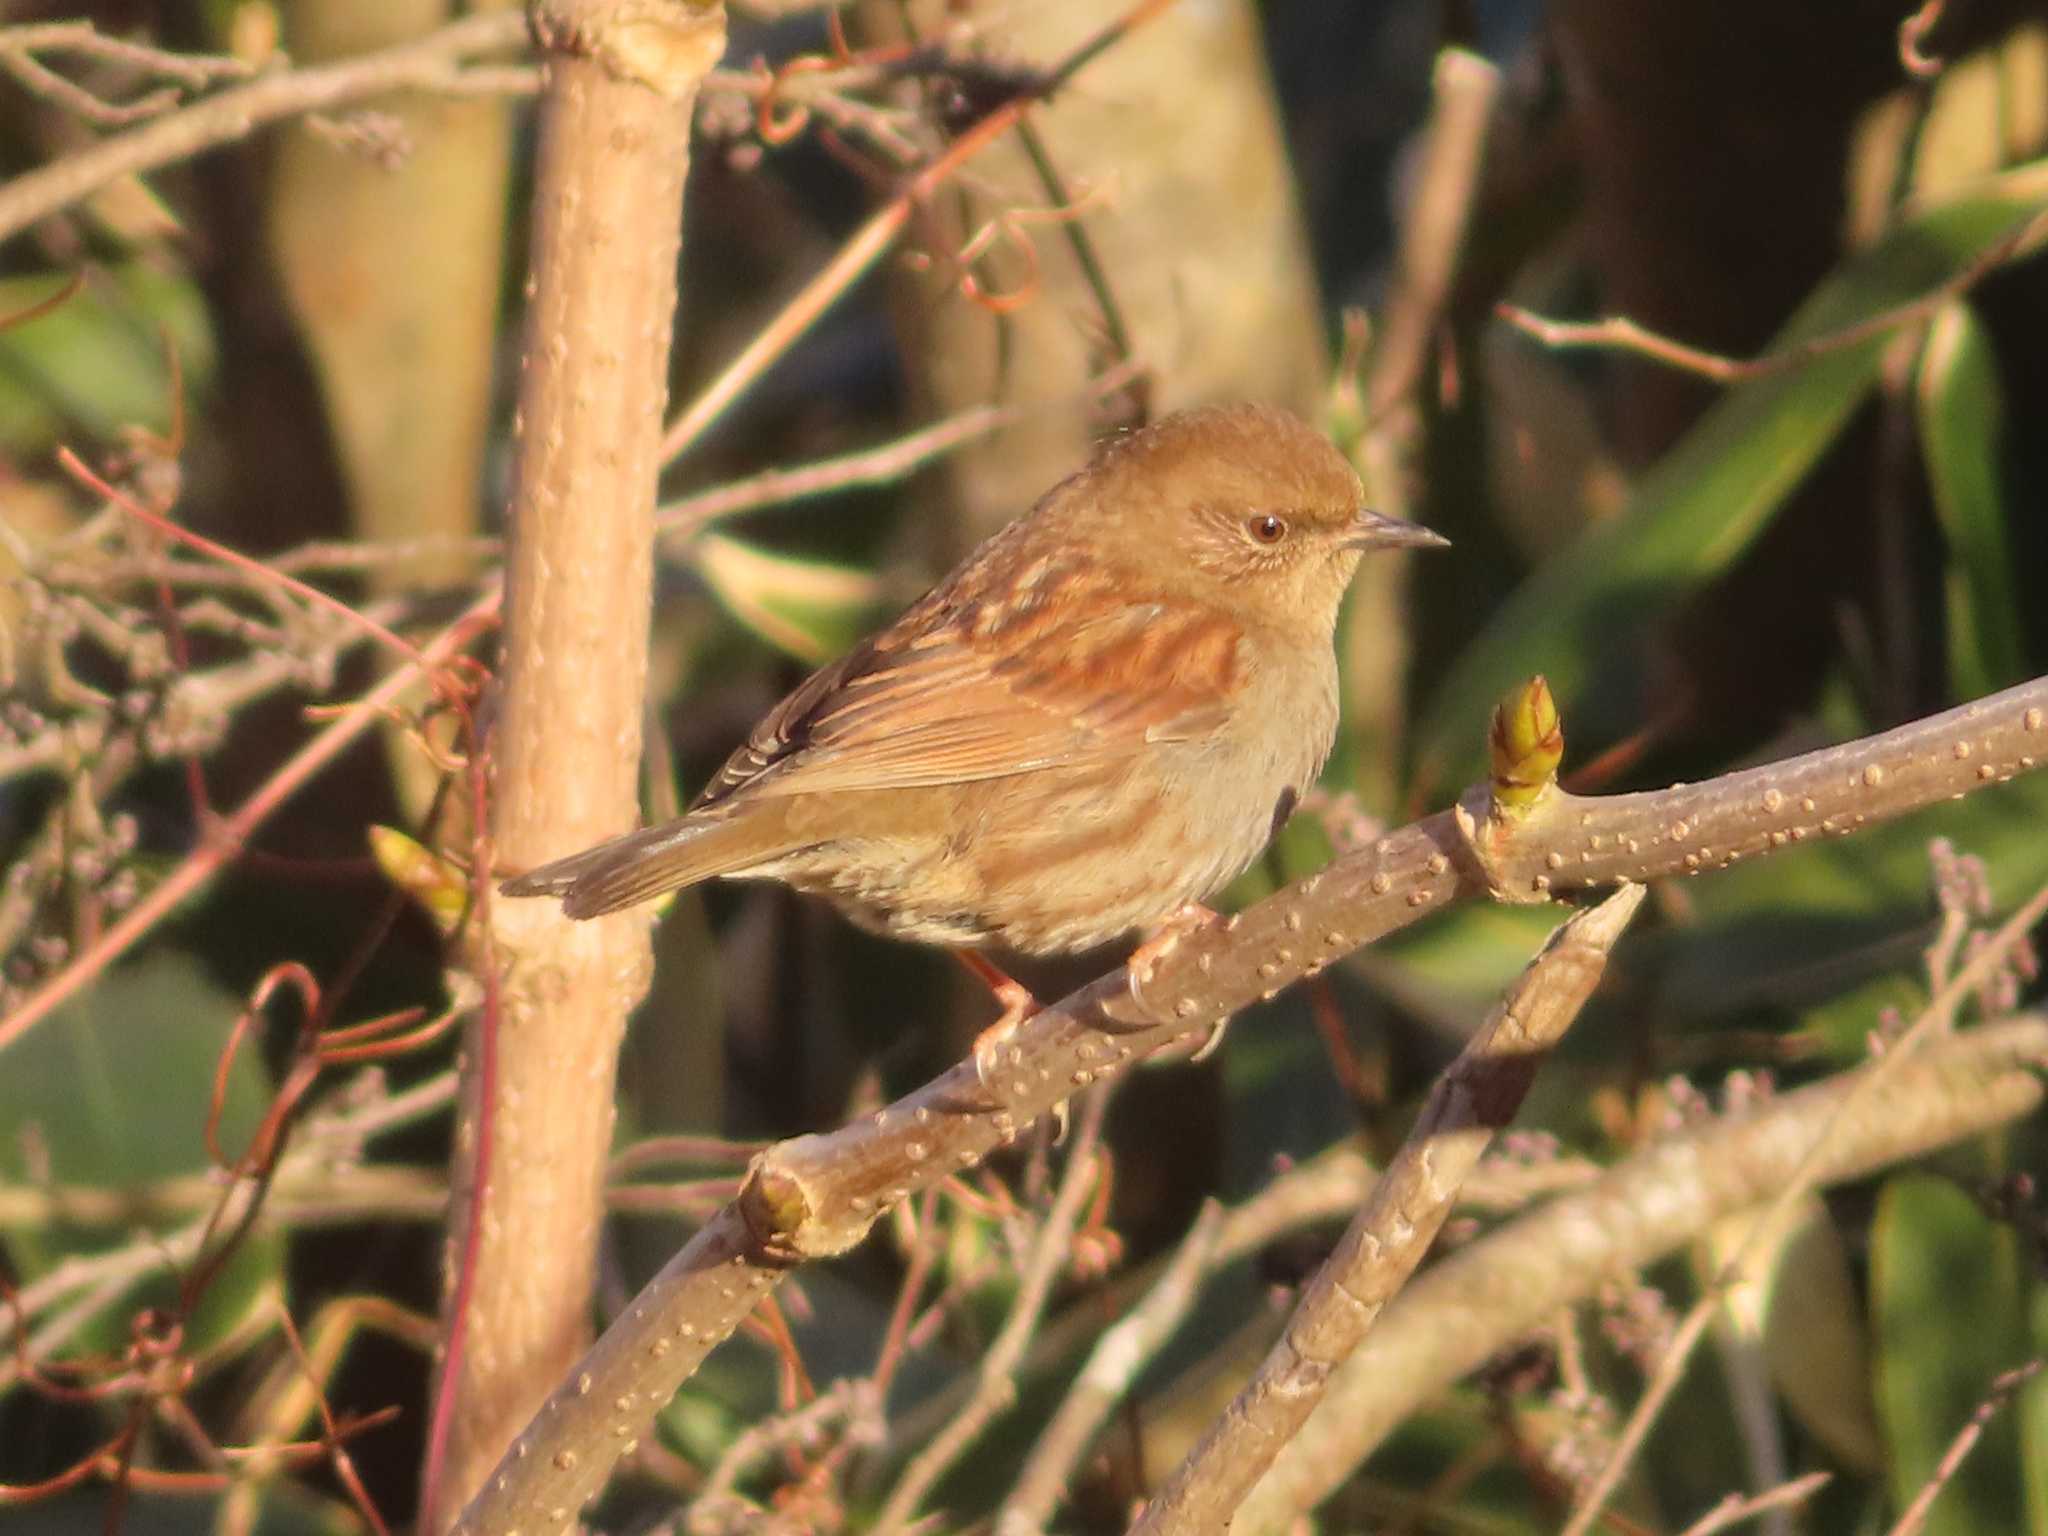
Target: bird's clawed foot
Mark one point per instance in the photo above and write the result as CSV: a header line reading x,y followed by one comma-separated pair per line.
x,y
1184,921
1190,917
1017,1004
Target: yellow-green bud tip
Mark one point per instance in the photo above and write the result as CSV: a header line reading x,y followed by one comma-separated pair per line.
x,y
1526,745
434,882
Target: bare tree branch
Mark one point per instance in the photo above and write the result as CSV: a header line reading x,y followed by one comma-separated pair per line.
x,y
1937,1016
430,62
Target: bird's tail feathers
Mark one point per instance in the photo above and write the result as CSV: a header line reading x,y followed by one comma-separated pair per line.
x,y
642,865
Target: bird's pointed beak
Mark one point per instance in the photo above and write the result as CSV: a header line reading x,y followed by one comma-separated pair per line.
x,y
1375,530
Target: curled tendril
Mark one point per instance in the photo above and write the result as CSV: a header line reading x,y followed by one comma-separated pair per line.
x,y
1013,229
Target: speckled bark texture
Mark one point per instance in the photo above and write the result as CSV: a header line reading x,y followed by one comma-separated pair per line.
x,y
614,149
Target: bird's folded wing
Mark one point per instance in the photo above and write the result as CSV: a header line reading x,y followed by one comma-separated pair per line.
x,y
953,695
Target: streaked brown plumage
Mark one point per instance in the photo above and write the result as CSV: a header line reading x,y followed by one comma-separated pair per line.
x,y
1100,715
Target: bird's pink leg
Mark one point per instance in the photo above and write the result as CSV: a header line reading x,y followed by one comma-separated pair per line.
x,y
1018,1005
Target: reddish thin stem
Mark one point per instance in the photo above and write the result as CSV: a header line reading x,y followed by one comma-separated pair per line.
x,y
207,860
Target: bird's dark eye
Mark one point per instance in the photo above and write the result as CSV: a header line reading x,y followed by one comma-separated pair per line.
x,y
1266,528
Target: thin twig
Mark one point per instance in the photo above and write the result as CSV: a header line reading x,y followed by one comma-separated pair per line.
x,y
1112,1366
432,62
1619,331
861,251
1474,1098
2001,1392
995,1386
99,1282
20,45
1114,327
194,71
869,243
1657,1391
678,520
711,1509
1736,1508
225,840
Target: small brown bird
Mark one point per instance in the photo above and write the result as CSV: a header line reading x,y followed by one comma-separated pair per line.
x,y
1097,720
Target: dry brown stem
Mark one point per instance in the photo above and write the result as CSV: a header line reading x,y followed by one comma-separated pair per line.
x,y
1118,1356
819,1195
430,62
2001,1392
538,1078
227,837
19,47
303,1176
1624,334
1735,1509
1154,1300
1476,1097
679,520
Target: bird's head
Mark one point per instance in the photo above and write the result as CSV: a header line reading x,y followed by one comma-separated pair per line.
x,y
1245,506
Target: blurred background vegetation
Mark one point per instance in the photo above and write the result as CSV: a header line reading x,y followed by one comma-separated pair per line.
x,y
305,341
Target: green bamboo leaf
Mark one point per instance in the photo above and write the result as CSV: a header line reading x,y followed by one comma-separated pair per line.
x,y
1813,1336
1947,1317
1583,619
808,608
2033,1415
1862,904
1963,425
112,1093
97,362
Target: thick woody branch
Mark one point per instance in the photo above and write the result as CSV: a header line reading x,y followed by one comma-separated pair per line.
x,y
538,1079
818,1195
1485,1296
1476,1097
1566,842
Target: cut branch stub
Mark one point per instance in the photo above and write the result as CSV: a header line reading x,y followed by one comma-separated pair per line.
x,y
668,46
